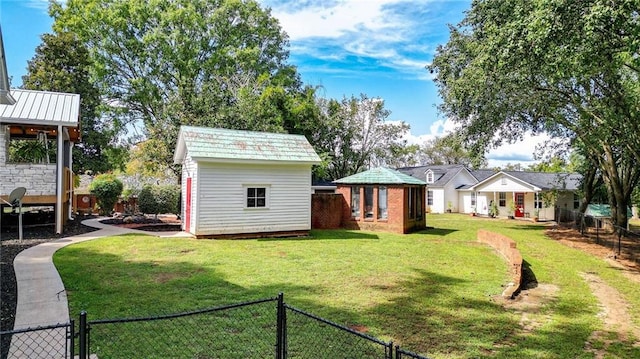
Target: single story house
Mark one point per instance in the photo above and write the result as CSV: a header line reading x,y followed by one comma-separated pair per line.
x,y
243,183
455,188
382,199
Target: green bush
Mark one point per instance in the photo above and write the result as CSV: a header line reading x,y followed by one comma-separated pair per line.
x,y
107,188
159,199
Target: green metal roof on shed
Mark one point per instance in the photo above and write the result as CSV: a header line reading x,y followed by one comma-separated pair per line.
x,y
380,175
211,144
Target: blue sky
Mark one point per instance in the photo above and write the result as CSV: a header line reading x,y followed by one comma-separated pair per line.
x,y
376,47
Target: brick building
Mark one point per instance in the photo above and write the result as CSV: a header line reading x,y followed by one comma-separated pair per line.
x,y
382,199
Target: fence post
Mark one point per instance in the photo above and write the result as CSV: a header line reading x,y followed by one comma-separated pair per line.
x,y
281,330
389,352
83,336
72,338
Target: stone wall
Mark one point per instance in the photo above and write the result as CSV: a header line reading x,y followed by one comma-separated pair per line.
x,y
38,179
507,247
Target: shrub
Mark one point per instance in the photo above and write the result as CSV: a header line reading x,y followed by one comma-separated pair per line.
x,y
107,188
159,199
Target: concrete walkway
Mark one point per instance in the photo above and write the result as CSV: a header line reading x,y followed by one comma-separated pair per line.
x,y
42,299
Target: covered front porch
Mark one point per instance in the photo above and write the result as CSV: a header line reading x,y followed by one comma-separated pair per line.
x,y
515,197
36,140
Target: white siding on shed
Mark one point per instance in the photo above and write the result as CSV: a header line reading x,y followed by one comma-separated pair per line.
x,y
221,198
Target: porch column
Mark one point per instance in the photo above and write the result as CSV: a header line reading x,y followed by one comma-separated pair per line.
x,y
59,179
70,161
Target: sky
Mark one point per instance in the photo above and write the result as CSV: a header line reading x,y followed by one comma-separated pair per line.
x,y
349,47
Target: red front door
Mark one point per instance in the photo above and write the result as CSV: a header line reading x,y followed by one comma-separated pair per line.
x,y
519,198
187,212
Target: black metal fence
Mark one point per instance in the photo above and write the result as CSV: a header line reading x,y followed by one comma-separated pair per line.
x,y
53,341
601,230
258,329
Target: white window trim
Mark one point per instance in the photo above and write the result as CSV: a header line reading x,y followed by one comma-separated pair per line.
x,y
430,177
267,196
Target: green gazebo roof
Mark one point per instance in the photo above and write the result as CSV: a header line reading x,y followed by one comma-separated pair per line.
x,y
380,175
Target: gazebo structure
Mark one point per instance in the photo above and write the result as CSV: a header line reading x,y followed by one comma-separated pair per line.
x,y
37,134
382,199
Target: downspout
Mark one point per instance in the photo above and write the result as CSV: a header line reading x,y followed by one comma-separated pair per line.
x,y
59,180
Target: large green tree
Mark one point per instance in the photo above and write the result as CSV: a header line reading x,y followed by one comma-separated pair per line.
x,y
450,150
61,63
353,134
175,62
569,68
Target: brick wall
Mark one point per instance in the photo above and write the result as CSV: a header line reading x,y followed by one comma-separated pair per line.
x,y
397,217
507,247
326,210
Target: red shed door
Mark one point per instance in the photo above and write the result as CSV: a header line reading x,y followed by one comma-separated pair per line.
x,y
187,209
519,204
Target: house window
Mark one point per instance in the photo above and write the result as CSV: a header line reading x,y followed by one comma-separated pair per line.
x,y
537,201
503,181
355,201
473,199
502,199
429,176
368,202
382,203
576,201
429,198
256,197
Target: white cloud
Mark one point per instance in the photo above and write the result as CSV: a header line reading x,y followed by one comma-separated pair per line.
x,y
519,152
391,32
40,4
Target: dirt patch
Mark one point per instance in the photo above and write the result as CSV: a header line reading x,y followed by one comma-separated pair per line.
x,y
614,313
528,305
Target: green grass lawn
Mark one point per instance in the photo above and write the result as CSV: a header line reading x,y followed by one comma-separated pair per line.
x,y
431,292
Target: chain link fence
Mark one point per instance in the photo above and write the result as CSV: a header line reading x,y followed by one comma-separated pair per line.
x,y
600,230
54,341
309,336
266,328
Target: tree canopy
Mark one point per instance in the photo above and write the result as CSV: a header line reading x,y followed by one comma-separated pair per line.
x,y
173,62
61,64
450,150
569,68
354,134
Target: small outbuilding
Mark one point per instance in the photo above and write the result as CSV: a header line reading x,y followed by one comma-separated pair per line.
x,y
239,184
382,199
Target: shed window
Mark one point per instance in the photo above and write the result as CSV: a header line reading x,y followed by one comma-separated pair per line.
x,y
576,201
502,199
473,199
256,197
429,198
382,202
355,201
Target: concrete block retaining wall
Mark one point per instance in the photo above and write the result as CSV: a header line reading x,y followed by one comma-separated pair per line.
x,y
507,247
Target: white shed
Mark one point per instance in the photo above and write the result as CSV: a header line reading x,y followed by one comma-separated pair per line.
x,y
243,183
